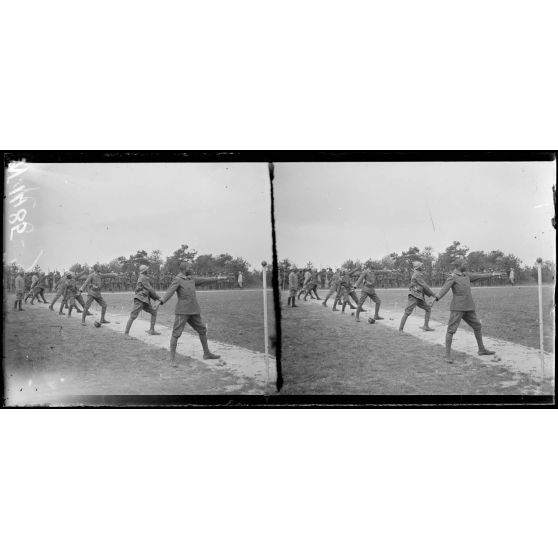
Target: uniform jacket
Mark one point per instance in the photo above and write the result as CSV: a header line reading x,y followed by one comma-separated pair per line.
x,y
93,284
367,281
185,288
419,287
19,284
293,280
144,290
460,285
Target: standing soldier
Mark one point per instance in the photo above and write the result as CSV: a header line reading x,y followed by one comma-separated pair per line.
x,y
367,281
187,309
71,291
311,285
462,305
93,285
20,290
144,292
34,281
38,290
418,289
333,285
512,276
293,287
240,280
346,291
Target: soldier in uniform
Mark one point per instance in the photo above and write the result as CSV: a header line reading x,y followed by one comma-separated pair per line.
x,y
20,290
71,291
60,288
462,305
293,287
346,291
311,285
367,282
240,280
93,285
334,281
144,292
34,281
187,309
418,289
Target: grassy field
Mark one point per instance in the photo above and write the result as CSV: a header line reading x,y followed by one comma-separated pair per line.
x,y
510,313
324,353
48,357
234,317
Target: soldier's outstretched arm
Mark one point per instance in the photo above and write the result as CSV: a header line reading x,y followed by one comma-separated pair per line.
x,y
170,291
445,288
87,281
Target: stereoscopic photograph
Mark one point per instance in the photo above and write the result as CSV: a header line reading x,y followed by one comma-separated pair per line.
x,y
136,279
417,278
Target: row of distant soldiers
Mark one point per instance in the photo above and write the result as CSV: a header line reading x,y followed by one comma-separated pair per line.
x,y
342,287
394,279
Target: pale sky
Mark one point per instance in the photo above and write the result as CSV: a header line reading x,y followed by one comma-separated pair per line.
x,y
327,213
91,212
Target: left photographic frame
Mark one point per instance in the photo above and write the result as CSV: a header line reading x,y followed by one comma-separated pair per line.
x,y
135,279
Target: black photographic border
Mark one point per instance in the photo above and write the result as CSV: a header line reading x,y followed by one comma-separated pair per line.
x,y
279,400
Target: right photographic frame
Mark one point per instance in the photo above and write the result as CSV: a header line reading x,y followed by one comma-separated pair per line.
x,y
416,277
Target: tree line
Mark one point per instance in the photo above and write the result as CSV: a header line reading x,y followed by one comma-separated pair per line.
x,y
437,267
161,270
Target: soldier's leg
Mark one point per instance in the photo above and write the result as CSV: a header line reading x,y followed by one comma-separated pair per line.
x,y
41,294
427,311
20,308
147,307
331,291
103,304
408,311
361,301
455,319
79,298
137,306
315,289
86,312
71,305
196,323
472,320
15,304
57,296
178,328
62,304
293,298
377,305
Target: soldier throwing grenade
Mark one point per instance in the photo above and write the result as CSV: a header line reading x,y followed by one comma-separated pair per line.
x,y
187,309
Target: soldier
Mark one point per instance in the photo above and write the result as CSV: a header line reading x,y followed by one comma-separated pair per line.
x,y
240,280
293,287
144,292
367,281
311,285
93,285
462,305
346,291
418,289
187,309
34,281
20,290
60,288
38,290
334,281
71,291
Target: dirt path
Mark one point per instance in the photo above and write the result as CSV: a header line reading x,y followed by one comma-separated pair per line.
x,y
517,358
49,357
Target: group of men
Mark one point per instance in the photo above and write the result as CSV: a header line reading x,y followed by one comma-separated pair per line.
x,y
342,286
184,284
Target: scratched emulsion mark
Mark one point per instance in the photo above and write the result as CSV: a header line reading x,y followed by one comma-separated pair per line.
x,y
19,203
